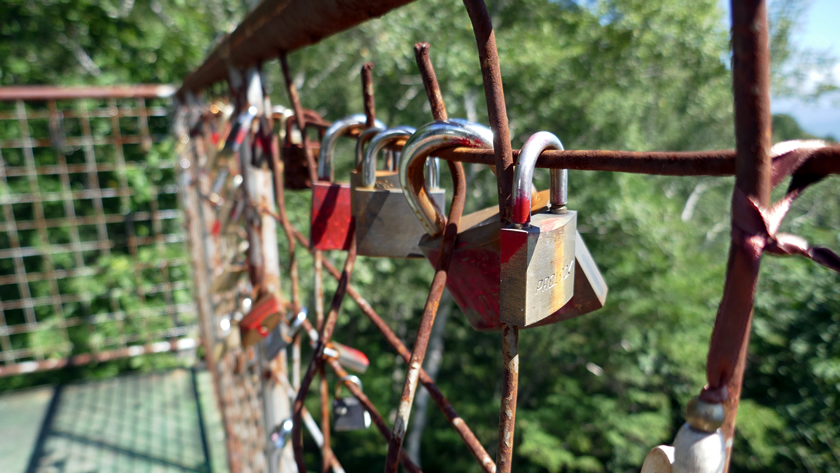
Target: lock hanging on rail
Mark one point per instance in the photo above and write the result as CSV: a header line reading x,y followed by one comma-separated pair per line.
x,y
474,271
385,225
348,412
332,216
295,164
537,251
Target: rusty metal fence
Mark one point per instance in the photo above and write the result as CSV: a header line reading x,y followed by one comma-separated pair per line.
x,y
246,187
91,258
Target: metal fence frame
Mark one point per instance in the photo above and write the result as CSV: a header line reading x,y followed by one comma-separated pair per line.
x,y
276,28
66,154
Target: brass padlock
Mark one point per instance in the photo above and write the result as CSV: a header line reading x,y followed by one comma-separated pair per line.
x,y
474,271
348,412
385,225
537,251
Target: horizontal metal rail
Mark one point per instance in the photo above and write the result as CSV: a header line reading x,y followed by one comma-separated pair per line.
x,y
42,92
276,26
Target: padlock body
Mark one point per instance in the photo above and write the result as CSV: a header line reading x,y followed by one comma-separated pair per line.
x,y
590,287
474,272
331,218
473,276
537,267
296,167
349,414
385,224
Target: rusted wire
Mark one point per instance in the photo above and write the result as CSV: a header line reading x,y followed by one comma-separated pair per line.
x,y
376,417
421,342
367,93
324,337
497,113
463,430
430,82
751,87
494,93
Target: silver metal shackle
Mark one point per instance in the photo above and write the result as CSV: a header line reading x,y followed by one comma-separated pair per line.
x,y
430,138
331,136
366,136
524,177
377,144
350,377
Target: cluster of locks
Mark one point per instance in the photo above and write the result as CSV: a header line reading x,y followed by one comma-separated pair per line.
x,y
531,272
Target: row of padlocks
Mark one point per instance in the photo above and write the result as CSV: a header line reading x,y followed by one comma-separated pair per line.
x,y
533,272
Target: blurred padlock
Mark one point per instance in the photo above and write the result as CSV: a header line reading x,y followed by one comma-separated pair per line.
x,y
349,358
332,217
385,224
284,334
348,412
474,272
537,251
295,164
265,314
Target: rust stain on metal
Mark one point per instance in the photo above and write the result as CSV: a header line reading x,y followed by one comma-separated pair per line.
x,y
430,82
317,361
367,94
494,93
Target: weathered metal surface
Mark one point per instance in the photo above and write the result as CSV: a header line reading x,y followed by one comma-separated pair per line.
x,y
331,218
282,25
753,166
45,92
324,338
414,172
443,404
537,268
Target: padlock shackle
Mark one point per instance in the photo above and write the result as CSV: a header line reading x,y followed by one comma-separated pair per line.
x,y
331,136
380,142
344,379
425,141
524,177
366,136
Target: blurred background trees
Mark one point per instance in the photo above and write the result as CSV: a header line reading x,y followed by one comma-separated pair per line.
x,y
598,391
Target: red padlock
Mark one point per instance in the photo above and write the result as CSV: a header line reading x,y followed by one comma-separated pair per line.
x,y
332,216
265,314
474,272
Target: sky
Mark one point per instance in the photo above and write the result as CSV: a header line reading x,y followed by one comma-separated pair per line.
x,y
819,31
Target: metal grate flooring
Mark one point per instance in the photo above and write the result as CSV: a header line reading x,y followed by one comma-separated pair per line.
x,y
162,422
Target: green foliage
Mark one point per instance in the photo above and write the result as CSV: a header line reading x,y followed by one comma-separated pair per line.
x,y
84,42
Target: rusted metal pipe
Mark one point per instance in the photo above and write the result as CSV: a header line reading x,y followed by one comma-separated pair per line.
x,y
281,25
421,342
663,163
430,82
494,93
510,391
324,337
375,416
45,92
497,113
367,93
753,167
